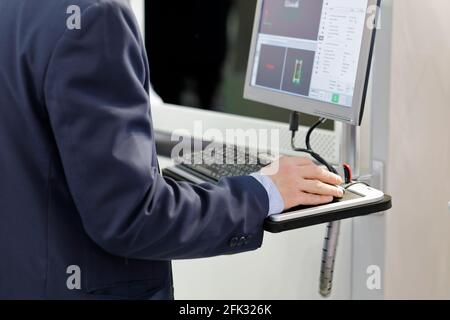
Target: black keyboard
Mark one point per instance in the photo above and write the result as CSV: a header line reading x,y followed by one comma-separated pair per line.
x,y
228,161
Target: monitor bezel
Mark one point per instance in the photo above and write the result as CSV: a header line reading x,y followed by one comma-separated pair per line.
x,y
351,115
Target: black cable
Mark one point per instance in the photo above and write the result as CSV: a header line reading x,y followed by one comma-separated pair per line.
x,y
347,186
293,122
310,131
293,125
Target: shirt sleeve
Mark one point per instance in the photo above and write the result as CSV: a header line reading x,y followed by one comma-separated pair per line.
x,y
276,202
97,99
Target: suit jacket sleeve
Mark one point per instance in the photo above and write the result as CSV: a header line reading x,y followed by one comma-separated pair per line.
x,y
96,92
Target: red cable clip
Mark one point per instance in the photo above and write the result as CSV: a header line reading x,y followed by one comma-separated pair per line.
x,y
348,173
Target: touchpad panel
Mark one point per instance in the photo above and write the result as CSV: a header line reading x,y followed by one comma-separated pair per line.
x,y
348,196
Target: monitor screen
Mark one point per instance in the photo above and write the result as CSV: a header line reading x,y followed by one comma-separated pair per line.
x,y
311,49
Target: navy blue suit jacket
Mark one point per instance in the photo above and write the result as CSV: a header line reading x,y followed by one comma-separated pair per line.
x,y
79,180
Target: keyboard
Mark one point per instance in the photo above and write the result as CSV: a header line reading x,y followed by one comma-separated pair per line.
x,y
217,163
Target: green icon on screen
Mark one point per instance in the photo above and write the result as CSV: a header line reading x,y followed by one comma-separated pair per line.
x,y
335,98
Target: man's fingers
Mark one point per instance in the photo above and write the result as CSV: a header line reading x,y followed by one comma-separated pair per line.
x,y
319,188
313,172
314,199
301,182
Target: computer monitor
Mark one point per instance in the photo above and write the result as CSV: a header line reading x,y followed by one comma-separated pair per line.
x,y
312,56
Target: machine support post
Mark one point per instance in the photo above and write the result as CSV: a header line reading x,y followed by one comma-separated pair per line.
x,y
349,154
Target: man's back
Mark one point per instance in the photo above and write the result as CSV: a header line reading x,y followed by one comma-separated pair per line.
x,y
42,241
83,210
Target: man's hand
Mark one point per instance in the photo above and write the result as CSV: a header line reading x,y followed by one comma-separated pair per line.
x,y
301,182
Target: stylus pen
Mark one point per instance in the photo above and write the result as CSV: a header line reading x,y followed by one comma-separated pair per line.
x,y
328,258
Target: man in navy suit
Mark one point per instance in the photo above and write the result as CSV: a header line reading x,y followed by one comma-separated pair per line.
x,y
84,212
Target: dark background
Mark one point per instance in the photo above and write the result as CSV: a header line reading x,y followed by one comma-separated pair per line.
x,y
198,52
